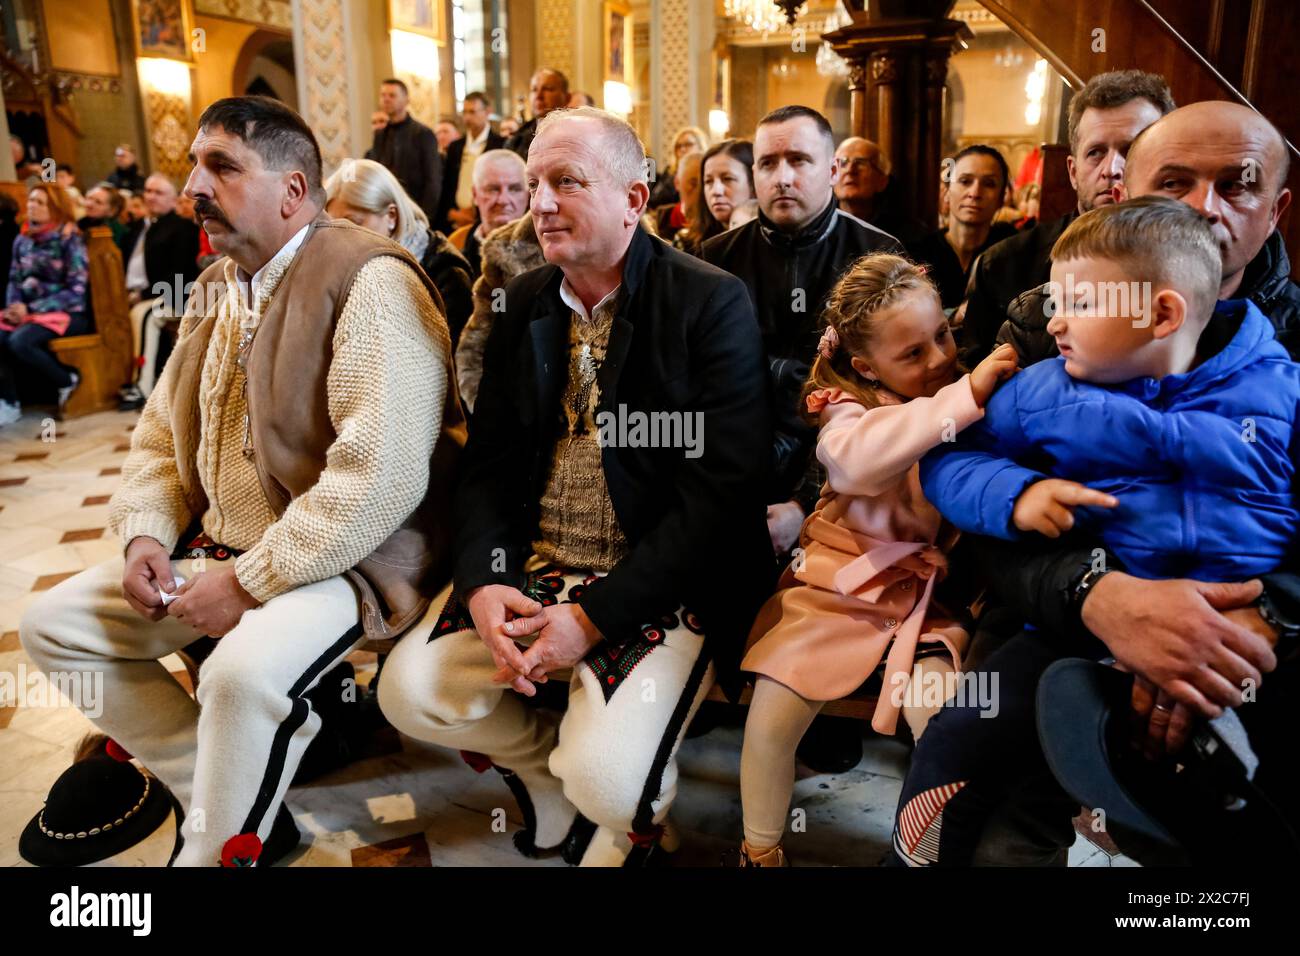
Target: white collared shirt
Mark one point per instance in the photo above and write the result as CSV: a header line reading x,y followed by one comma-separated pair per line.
x,y
248,288
137,280
465,181
573,302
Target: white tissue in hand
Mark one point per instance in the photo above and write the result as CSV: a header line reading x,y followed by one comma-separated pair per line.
x,y
168,598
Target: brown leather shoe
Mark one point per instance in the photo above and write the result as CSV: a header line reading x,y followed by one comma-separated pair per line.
x,y
772,856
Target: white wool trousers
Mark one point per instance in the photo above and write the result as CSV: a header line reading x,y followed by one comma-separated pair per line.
x,y
614,751
229,757
148,319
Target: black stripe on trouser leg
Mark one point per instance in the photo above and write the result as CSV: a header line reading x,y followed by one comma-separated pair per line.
x,y
644,818
289,726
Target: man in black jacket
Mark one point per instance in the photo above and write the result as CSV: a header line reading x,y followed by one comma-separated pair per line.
x,y
789,259
161,256
1105,116
456,205
407,147
125,174
609,514
548,90
866,189
1189,643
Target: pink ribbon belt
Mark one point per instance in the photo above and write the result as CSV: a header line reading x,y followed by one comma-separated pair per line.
x,y
878,557
885,557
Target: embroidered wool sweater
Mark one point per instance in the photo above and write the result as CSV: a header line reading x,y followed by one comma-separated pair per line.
x,y
386,383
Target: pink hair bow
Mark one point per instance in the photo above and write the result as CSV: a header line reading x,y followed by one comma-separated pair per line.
x,y
830,341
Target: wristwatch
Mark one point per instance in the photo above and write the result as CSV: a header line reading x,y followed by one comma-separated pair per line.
x,y
1082,583
1287,628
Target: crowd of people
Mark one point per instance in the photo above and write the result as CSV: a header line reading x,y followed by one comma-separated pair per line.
x,y
739,421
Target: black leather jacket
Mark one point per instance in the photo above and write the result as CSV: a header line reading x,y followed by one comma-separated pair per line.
x,y
789,277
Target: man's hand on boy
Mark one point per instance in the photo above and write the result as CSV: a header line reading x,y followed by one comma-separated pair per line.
x,y
1182,635
999,366
1047,506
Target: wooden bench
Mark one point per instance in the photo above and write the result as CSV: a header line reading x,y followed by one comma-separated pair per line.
x,y
104,358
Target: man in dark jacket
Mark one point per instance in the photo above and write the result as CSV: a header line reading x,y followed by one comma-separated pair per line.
x,y
586,530
161,257
1105,116
126,174
548,90
866,189
407,147
1184,639
789,259
456,205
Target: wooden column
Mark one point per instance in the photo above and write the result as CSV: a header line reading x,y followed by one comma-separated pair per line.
x,y
898,62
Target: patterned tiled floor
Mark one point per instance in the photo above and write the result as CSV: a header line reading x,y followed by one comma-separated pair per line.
x,y
401,805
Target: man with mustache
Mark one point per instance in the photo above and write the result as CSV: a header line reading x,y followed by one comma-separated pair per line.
x,y
291,467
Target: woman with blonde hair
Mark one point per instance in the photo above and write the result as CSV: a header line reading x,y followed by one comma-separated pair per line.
x,y
366,193
688,139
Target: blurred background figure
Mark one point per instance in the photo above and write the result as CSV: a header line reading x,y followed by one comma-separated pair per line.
x,y
407,147
161,255
663,191
457,208
547,90
24,167
447,131
134,209
125,174
65,177
669,219
104,206
46,298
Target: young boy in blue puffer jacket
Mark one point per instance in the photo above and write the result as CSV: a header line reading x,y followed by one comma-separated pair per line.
x,y
1175,448
1164,428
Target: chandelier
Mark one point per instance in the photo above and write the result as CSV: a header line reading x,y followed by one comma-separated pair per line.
x,y
763,16
830,63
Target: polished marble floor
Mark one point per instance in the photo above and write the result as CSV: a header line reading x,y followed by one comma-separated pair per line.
x,y
403,804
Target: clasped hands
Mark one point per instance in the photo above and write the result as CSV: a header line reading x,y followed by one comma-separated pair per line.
x,y
503,615
1194,648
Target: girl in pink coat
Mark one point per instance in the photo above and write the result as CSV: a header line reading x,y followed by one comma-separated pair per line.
x,y
884,389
